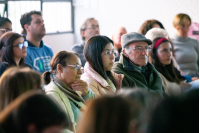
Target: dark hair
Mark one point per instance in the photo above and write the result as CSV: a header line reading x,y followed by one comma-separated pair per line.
x,y
176,115
6,47
26,18
32,107
108,114
148,24
168,70
3,21
60,58
15,81
84,26
92,52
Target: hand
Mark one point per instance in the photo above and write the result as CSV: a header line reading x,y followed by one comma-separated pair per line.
x,y
80,85
184,85
194,78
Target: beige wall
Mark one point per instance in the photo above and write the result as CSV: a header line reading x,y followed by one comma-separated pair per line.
x,y
59,42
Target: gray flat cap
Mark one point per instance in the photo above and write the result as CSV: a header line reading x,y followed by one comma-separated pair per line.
x,y
128,38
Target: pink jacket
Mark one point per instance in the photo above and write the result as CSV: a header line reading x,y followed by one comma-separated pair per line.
x,y
97,83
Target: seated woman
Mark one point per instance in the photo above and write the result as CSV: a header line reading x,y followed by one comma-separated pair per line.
x,y
99,53
66,87
13,50
162,60
16,81
33,112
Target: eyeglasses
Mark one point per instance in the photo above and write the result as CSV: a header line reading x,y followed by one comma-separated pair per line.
x,y
93,27
5,30
109,53
25,44
77,67
140,49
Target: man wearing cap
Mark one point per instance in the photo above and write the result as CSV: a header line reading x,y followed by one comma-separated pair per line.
x,y
133,63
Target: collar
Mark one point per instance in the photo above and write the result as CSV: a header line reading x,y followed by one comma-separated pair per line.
x,y
31,45
181,39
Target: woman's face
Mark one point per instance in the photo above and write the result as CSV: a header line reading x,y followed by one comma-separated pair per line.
x,y
19,53
182,30
69,74
6,27
164,53
108,57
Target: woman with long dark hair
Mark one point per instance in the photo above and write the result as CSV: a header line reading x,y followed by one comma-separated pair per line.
x,y
99,53
13,50
162,60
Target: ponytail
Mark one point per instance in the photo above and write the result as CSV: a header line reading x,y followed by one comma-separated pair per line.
x,y
47,77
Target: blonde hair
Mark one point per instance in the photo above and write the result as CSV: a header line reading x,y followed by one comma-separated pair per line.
x,y
179,19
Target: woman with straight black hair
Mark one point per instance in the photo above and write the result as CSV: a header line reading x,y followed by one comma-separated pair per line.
x,y
13,50
99,53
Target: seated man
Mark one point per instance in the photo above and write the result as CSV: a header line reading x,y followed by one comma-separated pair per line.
x,y
133,63
89,28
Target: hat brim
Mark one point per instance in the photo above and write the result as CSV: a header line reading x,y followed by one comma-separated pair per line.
x,y
142,40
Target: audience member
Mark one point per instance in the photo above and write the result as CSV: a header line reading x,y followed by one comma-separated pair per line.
x,y
110,114
16,81
39,55
66,87
33,112
89,28
133,63
13,50
99,53
5,25
149,24
116,38
186,48
161,56
176,115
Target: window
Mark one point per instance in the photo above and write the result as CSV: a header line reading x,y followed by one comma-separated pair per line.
x,y
57,14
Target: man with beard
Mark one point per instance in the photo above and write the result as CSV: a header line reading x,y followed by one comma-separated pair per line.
x,y
133,63
89,28
39,55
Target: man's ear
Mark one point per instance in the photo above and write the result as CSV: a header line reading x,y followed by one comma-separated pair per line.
x,y
59,68
26,27
83,33
124,53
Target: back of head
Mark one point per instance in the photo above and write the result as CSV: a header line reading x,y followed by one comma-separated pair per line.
x,y
26,18
149,24
60,58
176,115
109,114
6,47
156,32
92,52
16,81
32,108
3,21
179,19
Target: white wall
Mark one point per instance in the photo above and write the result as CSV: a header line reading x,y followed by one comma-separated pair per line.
x,y
128,13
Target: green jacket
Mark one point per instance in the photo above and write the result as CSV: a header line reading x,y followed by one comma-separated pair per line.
x,y
133,78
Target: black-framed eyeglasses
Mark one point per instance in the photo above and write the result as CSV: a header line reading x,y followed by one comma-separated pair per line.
x,y
109,53
25,44
140,49
77,67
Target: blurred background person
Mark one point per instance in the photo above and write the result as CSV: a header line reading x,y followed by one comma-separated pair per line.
x,y
176,115
116,38
13,50
5,25
99,53
149,24
89,28
33,112
15,81
186,48
110,114
161,56
66,87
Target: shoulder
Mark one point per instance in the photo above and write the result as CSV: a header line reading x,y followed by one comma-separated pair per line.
x,y
77,47
89,80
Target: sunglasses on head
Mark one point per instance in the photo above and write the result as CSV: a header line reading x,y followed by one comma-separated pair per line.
x,y
25,44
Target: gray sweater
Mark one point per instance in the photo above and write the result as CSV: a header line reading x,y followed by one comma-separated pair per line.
x,y
187,54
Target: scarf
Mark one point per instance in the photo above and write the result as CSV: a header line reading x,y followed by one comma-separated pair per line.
x,y
72,95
